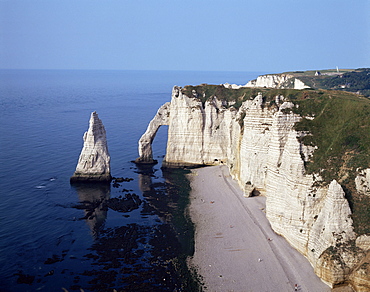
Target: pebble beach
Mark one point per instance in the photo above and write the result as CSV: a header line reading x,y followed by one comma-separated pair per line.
x,y
235,247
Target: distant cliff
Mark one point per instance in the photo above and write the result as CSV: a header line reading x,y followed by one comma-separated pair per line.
x,y
278,81
296,147
281,81
350,80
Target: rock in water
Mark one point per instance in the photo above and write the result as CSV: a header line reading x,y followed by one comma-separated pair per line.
x,y
94,162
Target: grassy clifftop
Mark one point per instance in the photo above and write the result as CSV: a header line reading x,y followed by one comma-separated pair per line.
x,y
351,80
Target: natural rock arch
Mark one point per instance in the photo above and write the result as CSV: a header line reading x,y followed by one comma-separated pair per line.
x,y
145,143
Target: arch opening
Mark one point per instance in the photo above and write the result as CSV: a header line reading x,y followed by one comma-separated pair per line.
x,y
146,140
159,144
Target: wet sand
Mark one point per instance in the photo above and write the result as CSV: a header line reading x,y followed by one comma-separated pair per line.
x,y
235,247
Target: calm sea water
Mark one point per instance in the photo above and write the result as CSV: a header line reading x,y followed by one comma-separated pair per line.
x,y
55,235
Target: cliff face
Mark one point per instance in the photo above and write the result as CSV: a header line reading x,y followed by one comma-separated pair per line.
x,y
263,152
277,81
94,161
197,134
363,182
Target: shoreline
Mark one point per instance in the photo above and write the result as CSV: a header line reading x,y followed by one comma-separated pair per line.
x,y
235,247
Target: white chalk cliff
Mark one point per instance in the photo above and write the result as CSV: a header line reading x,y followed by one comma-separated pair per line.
x,y
363,182
94,161
146,140
277,81
261,148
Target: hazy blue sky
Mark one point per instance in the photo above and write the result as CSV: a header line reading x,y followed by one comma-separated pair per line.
x,y
236,35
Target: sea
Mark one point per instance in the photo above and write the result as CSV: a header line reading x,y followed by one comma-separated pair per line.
x,y
131,235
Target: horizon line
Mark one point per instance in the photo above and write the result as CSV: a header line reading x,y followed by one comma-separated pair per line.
x,y
179,70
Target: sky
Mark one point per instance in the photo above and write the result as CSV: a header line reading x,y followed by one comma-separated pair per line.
x,y
204,35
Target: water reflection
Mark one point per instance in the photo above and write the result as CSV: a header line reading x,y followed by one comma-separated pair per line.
x,y
93,198
169,201
145,256
157,199
146,172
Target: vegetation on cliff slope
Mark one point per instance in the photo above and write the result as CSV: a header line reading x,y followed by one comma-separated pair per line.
x,y
206,92
235,97
350,80
340,129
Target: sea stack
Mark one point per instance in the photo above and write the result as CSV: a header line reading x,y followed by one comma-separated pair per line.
x,y
94,162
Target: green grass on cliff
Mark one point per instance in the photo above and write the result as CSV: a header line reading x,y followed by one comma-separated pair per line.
x,y
340,130
351,80
206,92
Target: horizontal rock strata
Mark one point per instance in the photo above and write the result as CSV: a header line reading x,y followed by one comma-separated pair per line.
x,y
262,150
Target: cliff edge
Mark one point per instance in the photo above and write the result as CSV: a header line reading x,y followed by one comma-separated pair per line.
x,y
302,149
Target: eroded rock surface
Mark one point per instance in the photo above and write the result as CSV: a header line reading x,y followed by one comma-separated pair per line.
x,y
277,81
262,150
94,161
363,182
145,143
